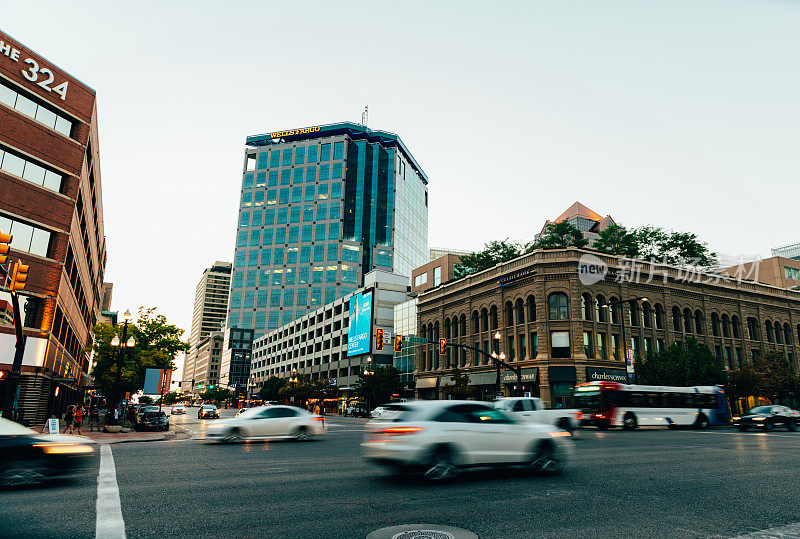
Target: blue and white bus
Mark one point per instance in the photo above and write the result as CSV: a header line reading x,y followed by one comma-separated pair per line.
x,y
611,404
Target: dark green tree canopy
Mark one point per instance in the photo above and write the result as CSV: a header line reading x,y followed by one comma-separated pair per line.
x,y
558,236
655,243
493,253
379,386
689,364
270,389
460,388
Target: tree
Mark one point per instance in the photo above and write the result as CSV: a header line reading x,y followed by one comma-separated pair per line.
x,y
270,389
172,397
144,399
379,387
460,388
216,394
493,253
558,236
777,380
655,243
690,364
157,345
742,382
617,240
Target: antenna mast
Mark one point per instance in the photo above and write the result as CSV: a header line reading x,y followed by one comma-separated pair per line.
x,y
365,116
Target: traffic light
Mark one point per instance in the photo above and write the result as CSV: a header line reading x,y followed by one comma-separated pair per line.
x,y
379,339
442,347
398,343
19,276
5,239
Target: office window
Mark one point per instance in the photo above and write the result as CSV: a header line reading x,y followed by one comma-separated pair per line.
x,y
291,255
257,217
330,294
255,237
249,299
322,211
287,157
338,150
312,154
252,258
309,196
258,199
558,306
323,192
337,171
239,259
333,252
324,173
350,253
277,277
336,210
269,216
244,219
317,274
274,158
267,238
302,297
294,214
288,297
263,158
588,349
261,321
349,274
248,181
241,238
316,296
236,299
273,178
319,233
280,236
238,279
325,152
283,197
282,216
303,275
266,256
261,179
39,113
311,174
559,344
272,197
278,257
437,275
297,195
601,346
336,190
294,234
333,234
290,273
299,155
319,252
308,214
275,298
305,254
247,199
331,274
307,234
273,320
298,175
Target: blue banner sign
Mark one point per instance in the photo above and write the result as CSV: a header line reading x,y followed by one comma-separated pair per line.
x,y
360,331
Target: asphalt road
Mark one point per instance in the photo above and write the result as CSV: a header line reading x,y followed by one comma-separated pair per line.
x,y
648,483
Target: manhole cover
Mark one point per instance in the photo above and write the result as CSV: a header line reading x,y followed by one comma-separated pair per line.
x,y
422,531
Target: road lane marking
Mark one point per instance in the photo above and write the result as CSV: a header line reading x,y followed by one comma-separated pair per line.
x,y
109,509
767,434
790,530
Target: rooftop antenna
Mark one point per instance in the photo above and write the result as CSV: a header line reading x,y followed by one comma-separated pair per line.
x,y
365,116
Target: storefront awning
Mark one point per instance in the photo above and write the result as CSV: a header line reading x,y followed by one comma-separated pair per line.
x,y
482,378
427,383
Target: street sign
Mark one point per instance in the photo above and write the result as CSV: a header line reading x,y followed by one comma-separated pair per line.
x,y
411,338
52,425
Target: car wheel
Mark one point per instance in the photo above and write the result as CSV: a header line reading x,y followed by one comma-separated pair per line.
x,y
742,428
702,422
233,436
602,424
791,426
768,426
546,460
302,434
441,466
629,422
564,424
23,473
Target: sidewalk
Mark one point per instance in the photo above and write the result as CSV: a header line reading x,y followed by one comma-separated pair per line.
x,y
124,437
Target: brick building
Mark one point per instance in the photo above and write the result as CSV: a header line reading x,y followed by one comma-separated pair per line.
x,y
51,202
561,331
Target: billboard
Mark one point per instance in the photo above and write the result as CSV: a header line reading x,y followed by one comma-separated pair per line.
x,y
156,381
359,332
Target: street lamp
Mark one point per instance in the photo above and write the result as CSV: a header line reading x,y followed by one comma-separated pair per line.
x,y
369,372
628,364
123,343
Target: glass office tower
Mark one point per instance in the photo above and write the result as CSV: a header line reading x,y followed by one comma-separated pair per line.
x,y
321,207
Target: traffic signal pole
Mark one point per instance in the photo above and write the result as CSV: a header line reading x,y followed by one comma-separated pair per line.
x,y
12,395
497,362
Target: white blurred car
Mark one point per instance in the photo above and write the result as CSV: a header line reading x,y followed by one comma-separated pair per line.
x,y
269,422
441,437
178,409
387,411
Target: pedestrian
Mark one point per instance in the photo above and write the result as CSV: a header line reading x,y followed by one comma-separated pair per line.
x,y
69,417
79,419
94,417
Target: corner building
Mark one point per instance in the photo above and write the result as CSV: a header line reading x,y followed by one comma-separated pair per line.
x,y
561,331
320,208
51,201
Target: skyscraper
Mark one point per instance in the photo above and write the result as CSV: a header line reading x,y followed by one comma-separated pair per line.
x,y
321,207
210,310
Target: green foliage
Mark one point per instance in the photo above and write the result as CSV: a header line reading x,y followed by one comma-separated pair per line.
x,y
379,387
157,344
770,376
690,364
144,399
460,388
655,243
270,389
558,236
216,394
493,253
172,397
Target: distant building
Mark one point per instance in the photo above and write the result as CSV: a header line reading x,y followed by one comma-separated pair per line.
x,y
434,273
587,221
105,296
438,252
788,251
234,364
405,361
207,361
775,271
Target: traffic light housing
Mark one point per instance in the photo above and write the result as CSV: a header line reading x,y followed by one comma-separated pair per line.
x,y
398,343
442,347
379,339
19,276
5,240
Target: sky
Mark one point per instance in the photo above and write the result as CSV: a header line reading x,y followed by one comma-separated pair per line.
x,y
680,114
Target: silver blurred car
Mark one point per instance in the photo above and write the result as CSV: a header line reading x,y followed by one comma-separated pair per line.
x,y
269,422
441,437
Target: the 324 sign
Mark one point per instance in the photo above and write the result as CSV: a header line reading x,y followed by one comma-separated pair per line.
x,y
41,76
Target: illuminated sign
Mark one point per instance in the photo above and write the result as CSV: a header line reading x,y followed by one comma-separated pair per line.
x,y
42,76
304,131
359,332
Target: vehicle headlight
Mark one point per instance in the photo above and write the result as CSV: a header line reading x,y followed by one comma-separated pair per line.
x,y
759,418
64,449
560,434
736,418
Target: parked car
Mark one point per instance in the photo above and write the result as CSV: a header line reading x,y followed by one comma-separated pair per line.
x,y
441,437
241,411
29,458
143,409
269,422
178,409
356,411
154,421
767,418
387,411
532,409
207,411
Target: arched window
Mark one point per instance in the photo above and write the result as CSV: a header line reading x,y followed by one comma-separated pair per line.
x,y
520,308
587,306
531,302
484,319
463,321
558,306
787,334
435,331
463,356
736,326
509,314
493,316
430,332
778,333
715,324
676,319
454,324
600,309
647,315
752,329
687,320
659,316
768,327
475,327
699,323
446,329
614,310
633,312
726,330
